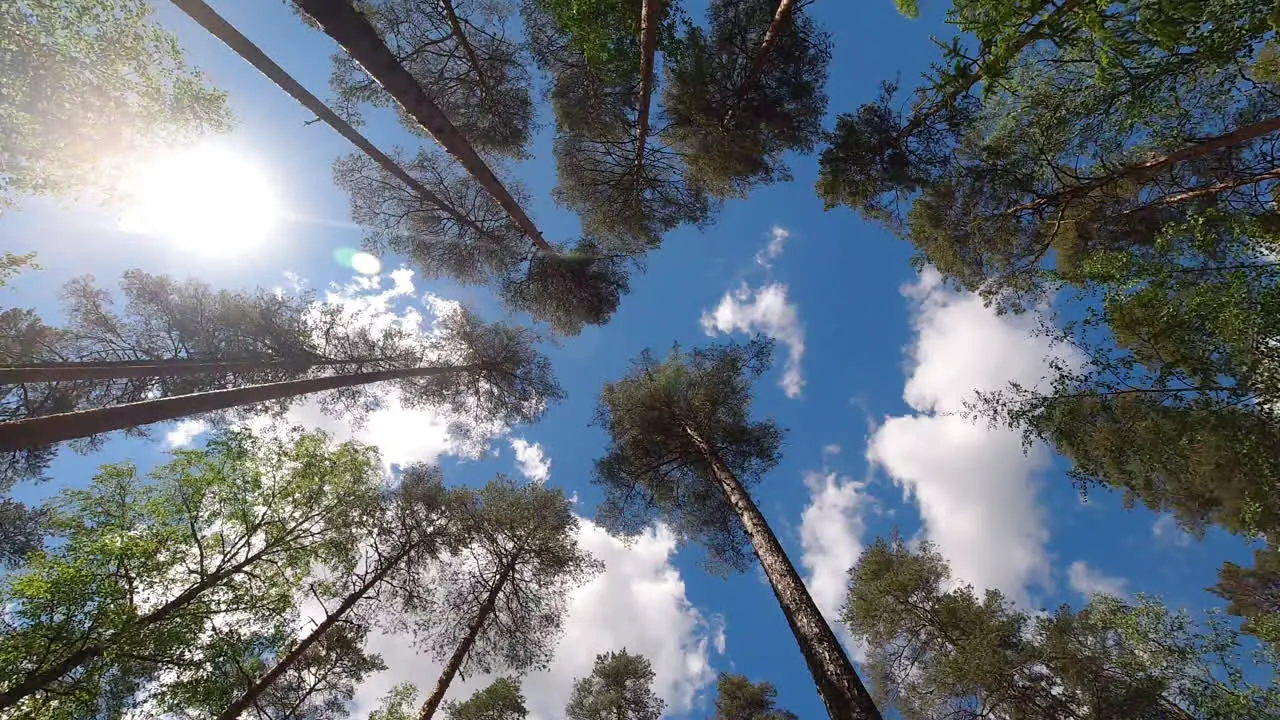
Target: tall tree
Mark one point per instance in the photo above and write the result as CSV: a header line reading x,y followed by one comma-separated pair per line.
x,y
482,372
745,91
737,698
459,52
620,687
501,700
683,447
448,224
499,603
936,650
321,668
147,568
627,186
88,83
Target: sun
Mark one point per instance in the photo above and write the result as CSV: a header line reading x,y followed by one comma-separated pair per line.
x,y
205,199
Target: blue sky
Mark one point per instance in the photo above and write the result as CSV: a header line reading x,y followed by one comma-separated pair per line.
x,y
881,355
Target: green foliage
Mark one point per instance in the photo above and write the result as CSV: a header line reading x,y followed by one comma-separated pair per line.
x,y
398,704
1254,594
501,700
523,552
733,107
147,570
11,264
936,650
88,84
605,32
737,698
620,687
653,467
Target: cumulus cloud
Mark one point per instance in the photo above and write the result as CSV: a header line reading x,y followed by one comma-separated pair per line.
x,y
831,529
403,434
974,485
1089,581
184,432
778,237
639,584
530,460
764,310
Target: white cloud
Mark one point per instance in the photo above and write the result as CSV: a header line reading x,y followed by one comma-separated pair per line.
x,y
1166,529
763,310
402,434
974,485
778,237
1089,581
185,431
530,460
638,602
832,449
831,529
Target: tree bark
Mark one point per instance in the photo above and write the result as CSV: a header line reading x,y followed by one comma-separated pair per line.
x,y
648,49
35,682
361,41
260,686
49,429
1138,170
218,27
460,653
456,26
781,17
838,685
175,367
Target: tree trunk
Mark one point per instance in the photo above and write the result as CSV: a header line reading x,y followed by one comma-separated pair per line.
x,y
460,653
361,41
838,685
649,13
175,367
456,26
34,683
260,686
218,27
1139,170
49,429
781,17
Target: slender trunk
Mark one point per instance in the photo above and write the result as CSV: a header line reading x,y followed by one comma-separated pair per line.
x,y
1142,169
460,653
175,367
37,681
260,686
49,429
649,13
1175,198
456,26
838,685
218,27
361,41
781,17
1024,39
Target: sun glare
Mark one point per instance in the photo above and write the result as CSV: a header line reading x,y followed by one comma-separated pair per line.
x,y
205,199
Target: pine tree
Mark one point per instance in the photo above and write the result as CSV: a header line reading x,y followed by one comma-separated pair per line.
x,y
683,448
620,687
501,700
498,604
745,91
737,698
477,370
